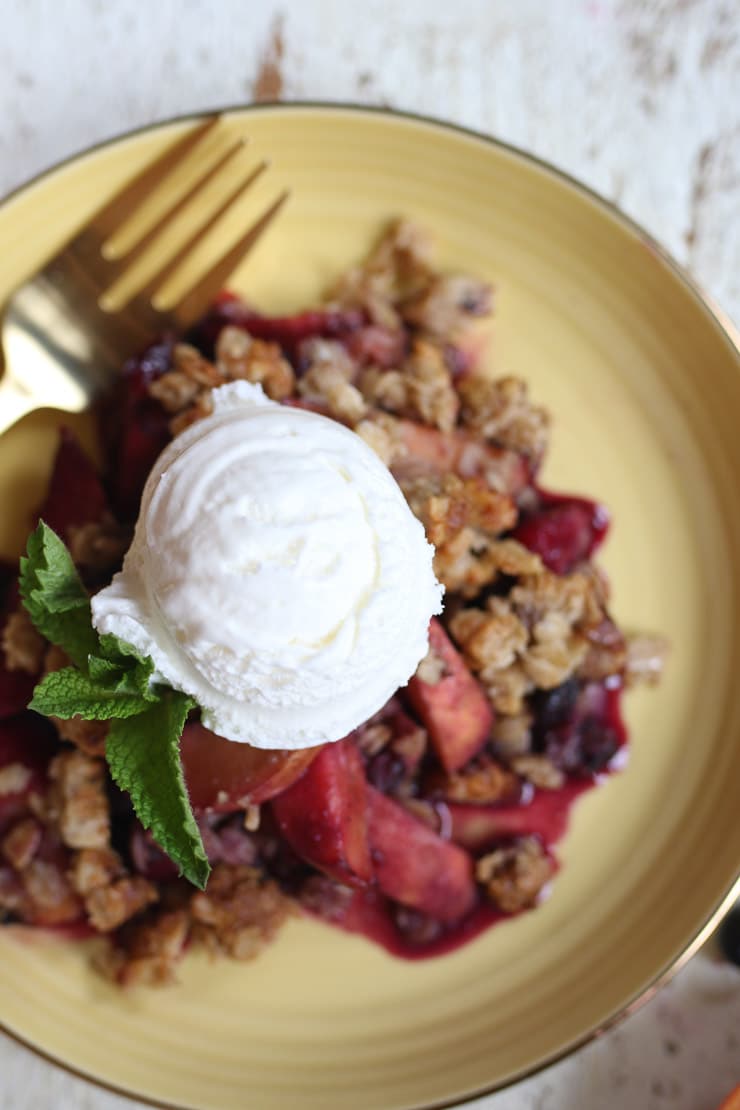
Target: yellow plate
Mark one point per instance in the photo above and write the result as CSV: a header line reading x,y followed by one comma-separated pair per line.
x,y
644,387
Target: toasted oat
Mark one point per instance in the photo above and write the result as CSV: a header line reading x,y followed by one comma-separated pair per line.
x,y
93,868
385,389
421,389
14,777
23,646
538,770
607,651
538,597
371,739
240,356
646,658
240,911
549,664
431,395
110,905
431,669
507,689
484,782
445,503
50,896
80,800
395,269
201,406
151,950
491,638
252,817
512,736
318,353
327,383
189,361
514,876
380,431
174,390
21,843
502,412
447,303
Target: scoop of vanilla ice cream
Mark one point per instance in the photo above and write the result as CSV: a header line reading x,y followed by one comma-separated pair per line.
x,y
276,574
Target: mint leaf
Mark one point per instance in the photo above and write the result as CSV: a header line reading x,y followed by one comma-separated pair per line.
x,y
69,693
130,675
55,597
144,759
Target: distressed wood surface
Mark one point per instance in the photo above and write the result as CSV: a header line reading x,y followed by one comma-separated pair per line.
x,y
638,98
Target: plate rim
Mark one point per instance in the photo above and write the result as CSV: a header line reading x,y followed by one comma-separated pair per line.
x,y
717,317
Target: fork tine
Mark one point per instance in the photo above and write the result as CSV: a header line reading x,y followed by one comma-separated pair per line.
x,y
154,283
125,260
195,302
112,214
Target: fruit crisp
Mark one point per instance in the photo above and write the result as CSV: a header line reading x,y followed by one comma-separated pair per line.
x,y
438,816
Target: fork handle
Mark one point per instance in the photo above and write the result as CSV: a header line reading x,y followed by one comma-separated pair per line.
x,y
15,402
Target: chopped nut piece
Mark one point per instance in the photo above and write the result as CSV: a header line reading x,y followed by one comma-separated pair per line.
x,y
513,877
80,796
21,843
109,906
23,646
538,770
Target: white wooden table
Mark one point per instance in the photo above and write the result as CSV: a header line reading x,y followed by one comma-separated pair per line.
x,y
639,98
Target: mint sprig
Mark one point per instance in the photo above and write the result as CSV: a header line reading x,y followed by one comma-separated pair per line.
x,y
144,759
110,681
54,596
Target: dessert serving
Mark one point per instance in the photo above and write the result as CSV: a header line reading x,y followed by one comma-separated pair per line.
x,y
341,754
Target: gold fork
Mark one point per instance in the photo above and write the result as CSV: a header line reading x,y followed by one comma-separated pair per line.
x,y
60,345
